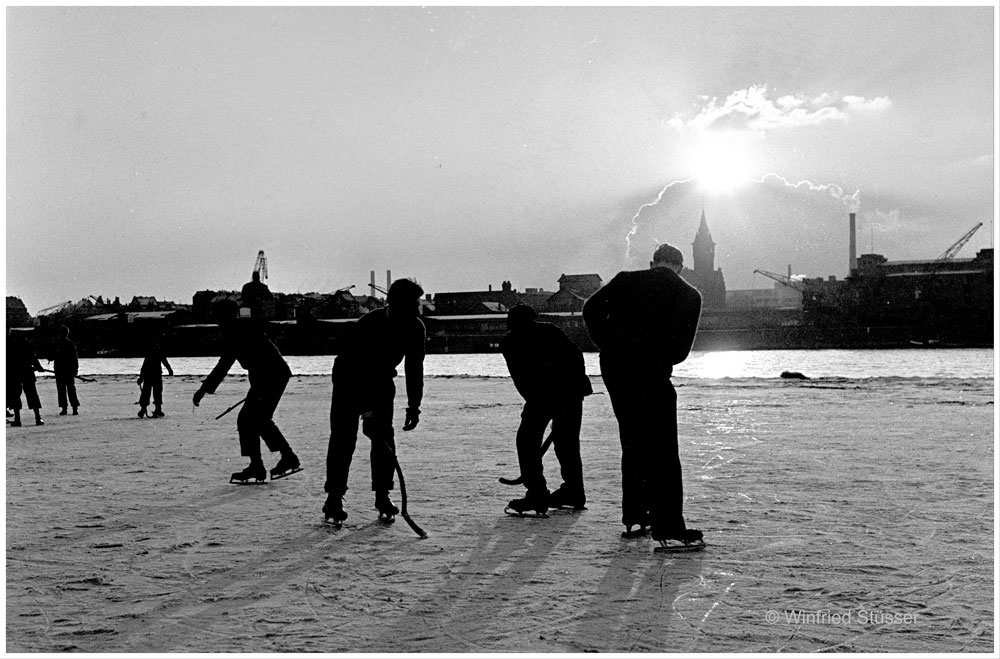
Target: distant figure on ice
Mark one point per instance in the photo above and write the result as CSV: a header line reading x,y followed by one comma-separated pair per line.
x,y
151,377
644,323
549,373
363,388
244,341
21,367
65,365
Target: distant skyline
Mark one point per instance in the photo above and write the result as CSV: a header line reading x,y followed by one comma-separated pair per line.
x,y
155,150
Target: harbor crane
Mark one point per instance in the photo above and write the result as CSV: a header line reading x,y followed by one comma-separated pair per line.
x,y
260,267
950,253
782,279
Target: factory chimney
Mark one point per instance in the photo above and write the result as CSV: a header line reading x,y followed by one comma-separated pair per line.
x,y
388,280
853,262
372,285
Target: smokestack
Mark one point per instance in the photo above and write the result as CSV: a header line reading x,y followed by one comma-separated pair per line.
x,y
372,286
853,262
388,280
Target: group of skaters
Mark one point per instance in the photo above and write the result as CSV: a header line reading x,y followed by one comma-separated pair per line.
x,y
643,322
22,364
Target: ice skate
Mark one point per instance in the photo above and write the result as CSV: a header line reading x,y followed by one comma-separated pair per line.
x,y
157,413
255,472
641,524
532,505
142,412
387,510
62,412
567,499
287,465
333,511
687,540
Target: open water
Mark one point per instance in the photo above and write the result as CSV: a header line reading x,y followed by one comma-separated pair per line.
x,y
914,363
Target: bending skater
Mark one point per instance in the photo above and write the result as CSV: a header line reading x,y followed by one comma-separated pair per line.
x,y
549,373
363,389
644,323
244,341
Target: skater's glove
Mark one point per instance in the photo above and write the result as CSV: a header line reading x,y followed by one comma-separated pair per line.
x,y
139,382
412,418
198,395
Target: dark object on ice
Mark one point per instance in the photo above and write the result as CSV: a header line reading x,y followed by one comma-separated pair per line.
x,y
333,511
255,471
287,465
534,504
387,510
793,375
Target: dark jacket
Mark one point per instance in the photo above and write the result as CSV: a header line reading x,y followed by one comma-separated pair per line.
x,y
374,348
64,357
545,364
247,344
644,317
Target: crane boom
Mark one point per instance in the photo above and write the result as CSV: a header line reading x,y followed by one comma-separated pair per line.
x,y
950,253
782,279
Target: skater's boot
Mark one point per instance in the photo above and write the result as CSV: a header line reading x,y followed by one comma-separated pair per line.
x,y
62,412
157,413
287,465
17,419
534,504
142,411
387,510
75,413
682,540
255,471
641,523
38,419
565,497
333,510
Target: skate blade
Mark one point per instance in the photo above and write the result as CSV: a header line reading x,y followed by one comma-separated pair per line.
x,y
285,474
236,481
568,509
333,523
534,513
679,548
386,519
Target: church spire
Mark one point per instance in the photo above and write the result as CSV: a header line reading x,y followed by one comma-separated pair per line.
x,y
703,247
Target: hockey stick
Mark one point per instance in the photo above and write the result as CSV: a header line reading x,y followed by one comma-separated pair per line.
x,y
520,479
230,409
78,377
402,492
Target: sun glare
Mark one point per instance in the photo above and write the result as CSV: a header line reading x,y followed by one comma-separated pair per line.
x,y
720,163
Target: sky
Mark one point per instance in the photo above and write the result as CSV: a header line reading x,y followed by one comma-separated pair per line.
x,y
155,150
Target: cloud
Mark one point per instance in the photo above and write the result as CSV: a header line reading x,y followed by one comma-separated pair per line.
x,y
752,110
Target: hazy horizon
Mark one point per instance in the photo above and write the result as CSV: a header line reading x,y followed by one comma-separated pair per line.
x,y
155,150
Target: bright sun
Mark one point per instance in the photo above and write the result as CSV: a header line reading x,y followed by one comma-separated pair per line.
x,y
720,163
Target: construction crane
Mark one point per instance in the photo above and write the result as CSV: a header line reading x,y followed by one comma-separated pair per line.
x,y
260,267
950,253
782,279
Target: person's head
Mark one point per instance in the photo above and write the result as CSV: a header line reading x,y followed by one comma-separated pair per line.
x,y
667,256
63,331
403,299
519,317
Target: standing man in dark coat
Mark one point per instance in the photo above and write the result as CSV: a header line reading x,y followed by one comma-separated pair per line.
x,y
151,377
363,389
644,323
65,365
21,367
245,342
548,371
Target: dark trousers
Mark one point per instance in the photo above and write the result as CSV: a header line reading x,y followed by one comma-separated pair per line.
x,y
346,412
154,385
66,388
255,421
566,419
31,399
645,404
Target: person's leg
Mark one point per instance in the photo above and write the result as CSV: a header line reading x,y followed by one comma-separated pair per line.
x,y
32,401
566,442
267,399
623,392
534,419
71,392
343,440
665,474
61,392
157,386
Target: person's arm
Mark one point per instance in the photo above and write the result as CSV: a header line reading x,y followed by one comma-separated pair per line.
x,y
595,315
215,378
413,367
686,328
170,371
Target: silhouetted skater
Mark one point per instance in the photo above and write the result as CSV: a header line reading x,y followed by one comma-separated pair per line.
x,y
548,371
644,323
244,341
22,364
151,377
65,365
363,389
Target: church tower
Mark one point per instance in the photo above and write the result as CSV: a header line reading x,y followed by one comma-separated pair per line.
x,y
703,249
